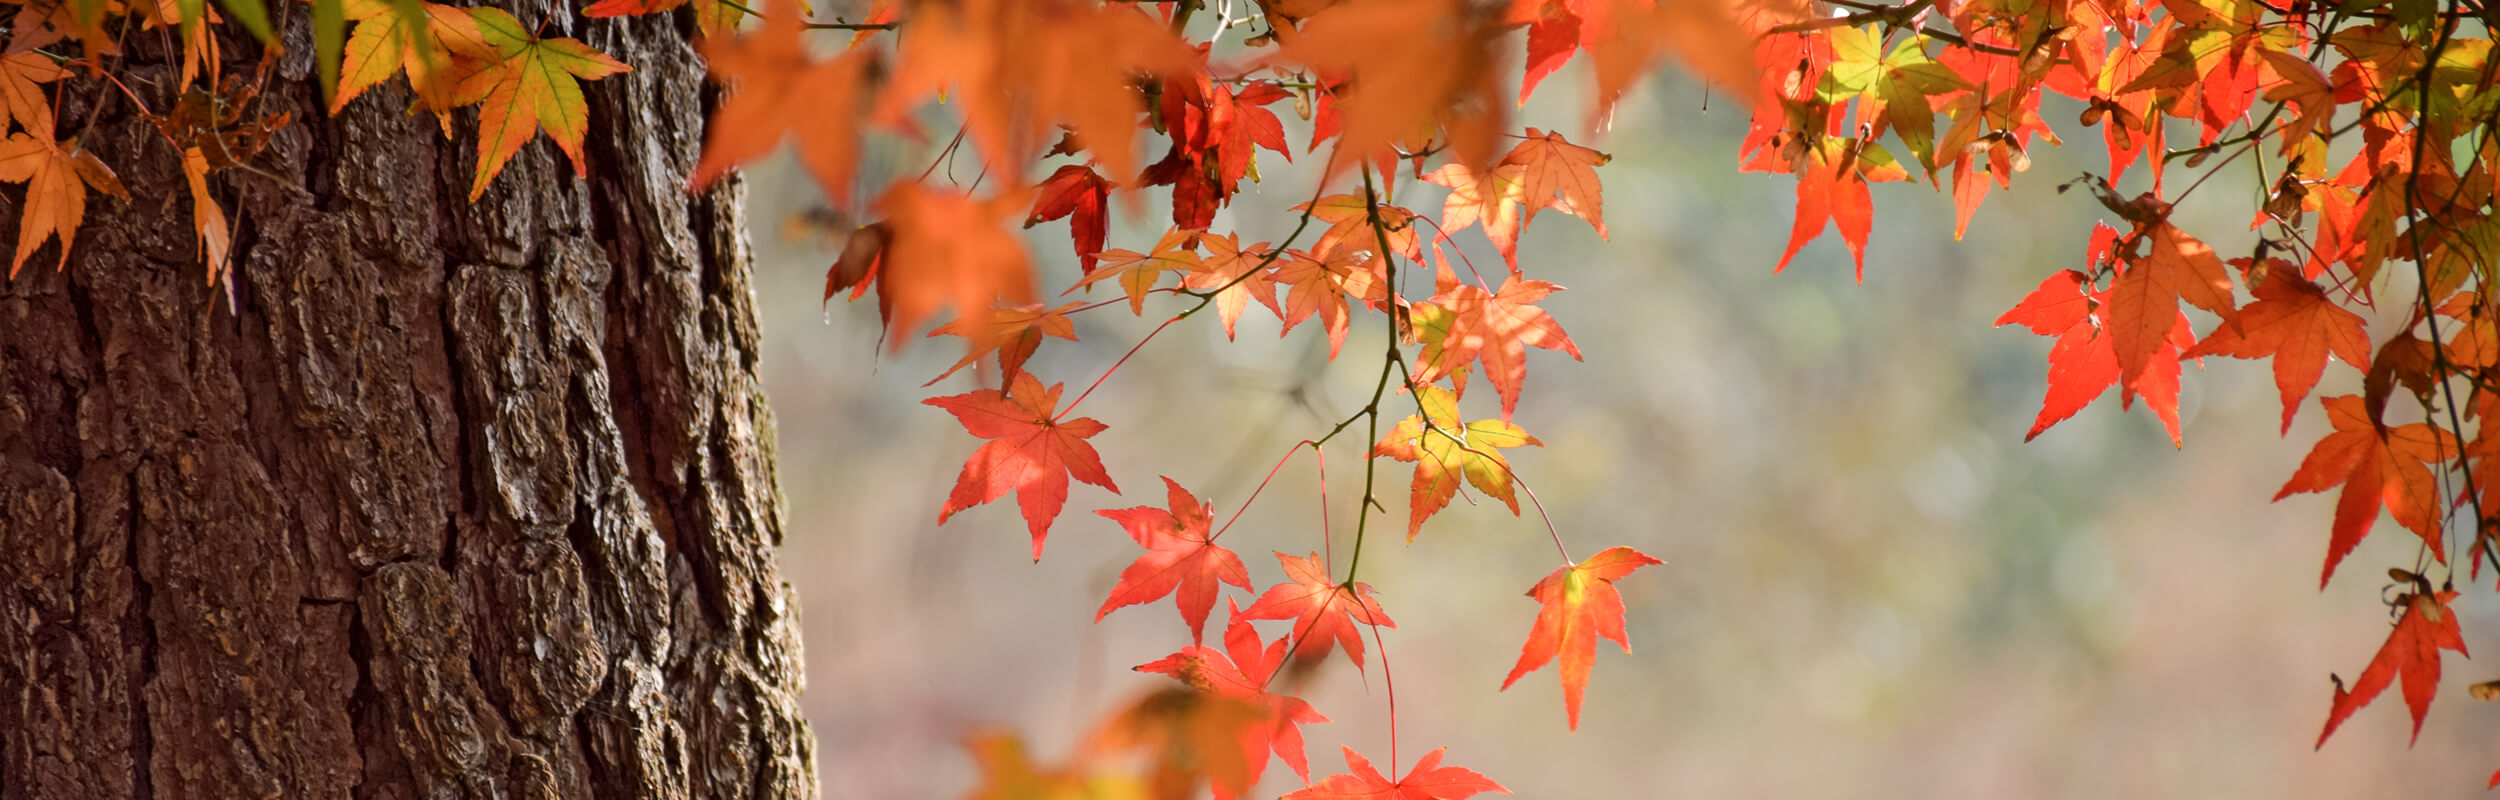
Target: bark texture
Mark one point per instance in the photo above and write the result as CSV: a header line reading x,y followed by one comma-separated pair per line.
x,y
459,500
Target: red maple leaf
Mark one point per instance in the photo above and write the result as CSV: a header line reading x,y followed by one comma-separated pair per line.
x,y
1427,781
1324,611
2082,364
1242,671
1496,328
1581,604
2377,466
1181,560
1831,187
2295,322
1029,452
1077,193
2411,652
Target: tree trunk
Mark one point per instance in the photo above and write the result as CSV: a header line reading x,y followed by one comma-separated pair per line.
x,y
459,500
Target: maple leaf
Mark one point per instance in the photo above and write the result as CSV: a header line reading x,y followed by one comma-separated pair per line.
x,y
1900,82
1012,333
2144,299
2082,364
2298,325
1553,36
1831,188
1322,287
532,83
1242,671
1237,275
1030,452
1416,64
20,98
1491,197
1427,781
2412,650
1181,560
1496,328
1551,166
1349,219
2304,85
1324,612
434,44
778,90
1139,272
2377,466
1449,449
56,175
1580,604
946,249
1077,193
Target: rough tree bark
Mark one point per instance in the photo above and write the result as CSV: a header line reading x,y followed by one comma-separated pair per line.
x,y
462,500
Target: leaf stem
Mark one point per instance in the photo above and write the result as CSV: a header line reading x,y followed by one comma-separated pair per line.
x,y
1115,367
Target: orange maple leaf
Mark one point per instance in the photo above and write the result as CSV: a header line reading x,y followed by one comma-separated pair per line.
x,y
1237,275
1581,604
2145,298
1491,197
1449,450
946,249
1496,328
1551,166
1324,612
434,44
2298,325
1030,452
20,98
1322,287
1427,781
778,90
1181,560
2412,653
531,82
1012,333
1139,272
56,175
2377,466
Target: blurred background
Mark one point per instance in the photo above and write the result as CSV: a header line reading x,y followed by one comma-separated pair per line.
x,y
1873,588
